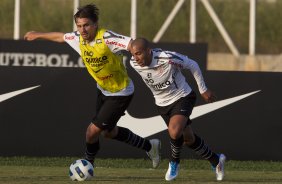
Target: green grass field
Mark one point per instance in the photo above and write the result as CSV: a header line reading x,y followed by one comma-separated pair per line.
x,y
25,170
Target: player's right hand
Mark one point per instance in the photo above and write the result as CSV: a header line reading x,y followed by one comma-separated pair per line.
x,y
31,35
209,96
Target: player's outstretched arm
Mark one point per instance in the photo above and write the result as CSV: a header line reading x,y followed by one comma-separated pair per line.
x,y
52,36
209,96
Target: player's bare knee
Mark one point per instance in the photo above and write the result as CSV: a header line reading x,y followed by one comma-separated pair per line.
x,y
172,136
92,133
175,133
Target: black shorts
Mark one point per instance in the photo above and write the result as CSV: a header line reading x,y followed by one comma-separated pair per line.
x,y
109,110
182,106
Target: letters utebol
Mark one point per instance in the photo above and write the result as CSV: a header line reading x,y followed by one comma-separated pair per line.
x,y
38,60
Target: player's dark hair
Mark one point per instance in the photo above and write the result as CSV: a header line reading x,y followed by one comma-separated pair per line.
x,y
89,11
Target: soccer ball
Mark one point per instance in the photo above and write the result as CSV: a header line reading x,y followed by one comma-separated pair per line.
x,y
81,170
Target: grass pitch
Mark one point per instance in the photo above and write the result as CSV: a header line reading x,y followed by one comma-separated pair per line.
x,y
23,170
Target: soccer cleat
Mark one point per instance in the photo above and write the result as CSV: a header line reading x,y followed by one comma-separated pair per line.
x,y
154,153
219,169
172,171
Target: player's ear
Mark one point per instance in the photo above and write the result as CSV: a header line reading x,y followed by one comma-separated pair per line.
x,y
129,45
95,24
149,50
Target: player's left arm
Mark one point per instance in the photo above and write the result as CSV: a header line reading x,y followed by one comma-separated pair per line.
x,y
193,66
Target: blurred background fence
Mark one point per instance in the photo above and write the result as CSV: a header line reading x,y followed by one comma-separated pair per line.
x,y
56,15
256,45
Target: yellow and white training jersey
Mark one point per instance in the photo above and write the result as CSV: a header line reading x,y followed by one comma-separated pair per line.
x,y
103,60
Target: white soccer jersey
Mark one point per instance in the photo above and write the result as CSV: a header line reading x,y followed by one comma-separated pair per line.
x,y
115,42
164,77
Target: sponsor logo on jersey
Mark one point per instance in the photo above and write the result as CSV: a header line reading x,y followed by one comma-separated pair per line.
x,y
88,53
115,43
148,81
105,77
175,64
162,85
69,37
98,64
97,61
96,71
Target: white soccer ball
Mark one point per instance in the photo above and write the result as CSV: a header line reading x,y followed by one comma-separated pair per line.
x,y
81,170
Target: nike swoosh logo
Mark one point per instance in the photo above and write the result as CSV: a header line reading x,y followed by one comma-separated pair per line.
x,y
149,126
12,94
98,70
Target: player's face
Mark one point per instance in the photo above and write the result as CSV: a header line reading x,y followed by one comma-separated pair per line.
x,y
87,28
141,56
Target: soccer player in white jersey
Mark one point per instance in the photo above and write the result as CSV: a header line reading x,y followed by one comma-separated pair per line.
x,y
99,49
161,72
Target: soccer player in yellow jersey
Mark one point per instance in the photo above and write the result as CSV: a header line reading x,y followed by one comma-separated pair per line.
x,y
100,51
